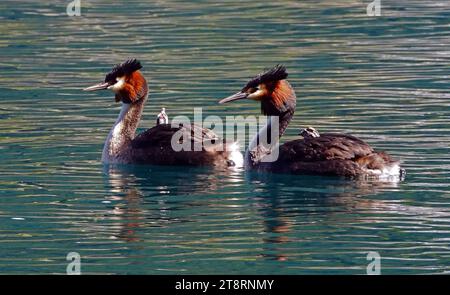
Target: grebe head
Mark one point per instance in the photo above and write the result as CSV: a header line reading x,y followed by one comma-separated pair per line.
x,y
126,81
271,89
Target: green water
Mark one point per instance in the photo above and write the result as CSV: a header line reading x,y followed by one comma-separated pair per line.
x,y
384,79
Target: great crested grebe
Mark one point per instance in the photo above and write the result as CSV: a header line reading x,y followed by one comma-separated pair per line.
x,y
154,146
324,154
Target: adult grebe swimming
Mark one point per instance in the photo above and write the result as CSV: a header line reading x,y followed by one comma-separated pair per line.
x,y
154,146
324,154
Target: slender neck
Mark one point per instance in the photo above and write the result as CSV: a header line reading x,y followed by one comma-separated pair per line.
x,y
263,146
123,130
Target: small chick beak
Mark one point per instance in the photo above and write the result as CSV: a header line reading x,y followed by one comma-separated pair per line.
x,y
100,86
236,96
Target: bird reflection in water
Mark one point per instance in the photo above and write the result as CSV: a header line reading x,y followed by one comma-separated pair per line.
x,y
130,215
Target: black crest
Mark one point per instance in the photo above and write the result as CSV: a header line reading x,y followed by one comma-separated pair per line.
x,y
125,68
276,73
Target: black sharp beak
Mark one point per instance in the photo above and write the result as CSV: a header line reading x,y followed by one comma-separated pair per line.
x,y
236,96
100,86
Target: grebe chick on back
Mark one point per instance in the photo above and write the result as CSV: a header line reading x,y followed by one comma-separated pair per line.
x,y
162,117
325,154
155,145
